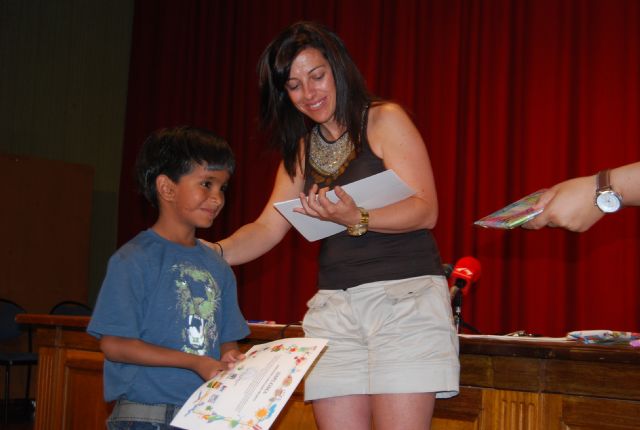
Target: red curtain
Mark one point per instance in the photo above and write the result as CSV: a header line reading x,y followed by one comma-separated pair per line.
x,y
510,97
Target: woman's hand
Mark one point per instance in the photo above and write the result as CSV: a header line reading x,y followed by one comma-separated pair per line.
x,y
569,205
316,204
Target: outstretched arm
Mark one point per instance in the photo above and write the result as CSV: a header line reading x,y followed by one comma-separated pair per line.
x,y
258,237
570,204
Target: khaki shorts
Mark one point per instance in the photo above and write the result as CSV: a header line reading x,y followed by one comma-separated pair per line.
x,y
384,337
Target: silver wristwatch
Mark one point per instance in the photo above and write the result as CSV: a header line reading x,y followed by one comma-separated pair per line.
x,y
607,200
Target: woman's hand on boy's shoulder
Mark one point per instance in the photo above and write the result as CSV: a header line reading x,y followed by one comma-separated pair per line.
x,y
213,245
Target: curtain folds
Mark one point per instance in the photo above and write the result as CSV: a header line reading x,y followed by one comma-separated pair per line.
x,y
510,97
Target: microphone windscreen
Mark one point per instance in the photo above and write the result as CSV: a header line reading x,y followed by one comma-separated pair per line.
x,y
467,268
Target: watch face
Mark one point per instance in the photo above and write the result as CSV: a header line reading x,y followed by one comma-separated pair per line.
x,y
357,230
608,202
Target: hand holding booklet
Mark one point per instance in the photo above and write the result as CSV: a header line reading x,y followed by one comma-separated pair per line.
x,y
252,394
513,215
376,191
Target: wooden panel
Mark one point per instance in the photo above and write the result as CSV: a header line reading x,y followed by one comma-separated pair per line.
x,y
45,231
463,412
77,356
84,408
551,415
517,373
584,413
597,379
297,415
45,399
476,370
507,410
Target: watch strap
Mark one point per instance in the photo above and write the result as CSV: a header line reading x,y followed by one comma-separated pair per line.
x,y
363,225
603,180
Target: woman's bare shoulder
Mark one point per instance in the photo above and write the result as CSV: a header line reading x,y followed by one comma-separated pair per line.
x,y
384,115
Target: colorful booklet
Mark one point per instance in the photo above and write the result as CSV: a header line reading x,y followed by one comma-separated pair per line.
x,y
252,394
513,215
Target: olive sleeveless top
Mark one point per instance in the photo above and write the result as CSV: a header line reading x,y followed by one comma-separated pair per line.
x,y
347,261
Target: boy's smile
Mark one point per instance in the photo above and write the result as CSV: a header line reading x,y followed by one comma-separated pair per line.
x,y
199,196
192,202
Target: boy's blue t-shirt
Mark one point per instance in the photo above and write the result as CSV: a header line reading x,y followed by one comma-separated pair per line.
x,y
169,295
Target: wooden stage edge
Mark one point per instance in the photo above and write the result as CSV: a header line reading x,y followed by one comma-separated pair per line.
x,y
509,383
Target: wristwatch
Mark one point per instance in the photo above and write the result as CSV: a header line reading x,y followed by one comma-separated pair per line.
x,y
362,227
607,200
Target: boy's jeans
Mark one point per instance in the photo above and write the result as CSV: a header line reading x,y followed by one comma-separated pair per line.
x,y
128,415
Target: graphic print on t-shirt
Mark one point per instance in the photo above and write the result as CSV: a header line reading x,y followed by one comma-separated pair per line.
x,y
198,299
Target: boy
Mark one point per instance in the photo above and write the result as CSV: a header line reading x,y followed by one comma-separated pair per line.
x,y
167,315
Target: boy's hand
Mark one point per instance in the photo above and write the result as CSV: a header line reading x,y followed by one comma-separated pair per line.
x,y
232,356
207,367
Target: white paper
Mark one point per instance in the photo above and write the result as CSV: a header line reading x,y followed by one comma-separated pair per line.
x,y
517,338
376,191
251,395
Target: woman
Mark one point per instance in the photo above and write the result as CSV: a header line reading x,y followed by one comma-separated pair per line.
x,y
383,301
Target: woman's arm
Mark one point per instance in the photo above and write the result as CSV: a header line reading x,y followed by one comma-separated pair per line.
x,y
626,180
258,237
397,141
136,351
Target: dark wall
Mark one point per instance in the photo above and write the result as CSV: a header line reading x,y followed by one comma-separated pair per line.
x,y
63,86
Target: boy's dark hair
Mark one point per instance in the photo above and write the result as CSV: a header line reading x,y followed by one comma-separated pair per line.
x,y
174,152
279,116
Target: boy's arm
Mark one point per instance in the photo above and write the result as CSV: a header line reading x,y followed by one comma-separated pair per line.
x,y
136,351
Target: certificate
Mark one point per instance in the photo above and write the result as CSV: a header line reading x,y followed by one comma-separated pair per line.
x,y
251,395
373,192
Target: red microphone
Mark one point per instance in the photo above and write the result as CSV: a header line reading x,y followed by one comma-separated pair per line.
x,y
466,271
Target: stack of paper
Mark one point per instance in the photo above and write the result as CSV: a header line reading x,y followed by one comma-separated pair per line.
x,y
374,192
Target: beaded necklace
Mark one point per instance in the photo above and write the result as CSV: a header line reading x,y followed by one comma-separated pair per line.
x,y
330,158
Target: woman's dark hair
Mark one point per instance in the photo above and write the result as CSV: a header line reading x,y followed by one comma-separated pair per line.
x,y
174,152
279,116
